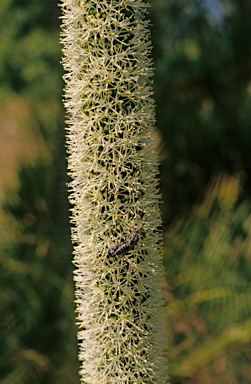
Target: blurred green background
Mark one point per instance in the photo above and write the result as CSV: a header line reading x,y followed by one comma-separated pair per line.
x,y
202,84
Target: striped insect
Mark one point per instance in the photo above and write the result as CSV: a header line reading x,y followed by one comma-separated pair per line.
x,y
128,245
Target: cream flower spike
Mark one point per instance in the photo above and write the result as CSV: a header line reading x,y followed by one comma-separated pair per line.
x,y
113,192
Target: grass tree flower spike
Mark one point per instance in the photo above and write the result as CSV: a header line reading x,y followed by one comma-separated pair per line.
x,y
114,191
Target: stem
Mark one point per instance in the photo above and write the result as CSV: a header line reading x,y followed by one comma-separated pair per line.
x,y
113,192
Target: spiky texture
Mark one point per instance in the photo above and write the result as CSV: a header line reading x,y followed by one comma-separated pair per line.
x,y
113,190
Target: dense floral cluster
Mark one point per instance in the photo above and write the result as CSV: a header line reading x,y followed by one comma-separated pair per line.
x,y
113,190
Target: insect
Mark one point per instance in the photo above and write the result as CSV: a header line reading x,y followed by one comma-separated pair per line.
x,y
128,245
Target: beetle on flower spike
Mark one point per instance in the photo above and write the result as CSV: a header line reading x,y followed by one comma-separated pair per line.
x,y
128,245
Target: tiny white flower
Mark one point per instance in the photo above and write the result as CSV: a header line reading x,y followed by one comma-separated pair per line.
x,y
114,191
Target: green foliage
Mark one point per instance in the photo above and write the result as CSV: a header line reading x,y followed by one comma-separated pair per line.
x,y
30,62
208,273
38,342
38,336
203,97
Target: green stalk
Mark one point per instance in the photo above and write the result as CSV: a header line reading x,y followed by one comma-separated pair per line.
x,y
113,166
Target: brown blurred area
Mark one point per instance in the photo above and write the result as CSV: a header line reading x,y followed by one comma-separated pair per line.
x,y
18,143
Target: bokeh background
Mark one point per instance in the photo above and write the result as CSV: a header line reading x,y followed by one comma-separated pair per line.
x,y
202,84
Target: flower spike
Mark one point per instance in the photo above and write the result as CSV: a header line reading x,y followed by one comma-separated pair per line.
x,y
114,188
